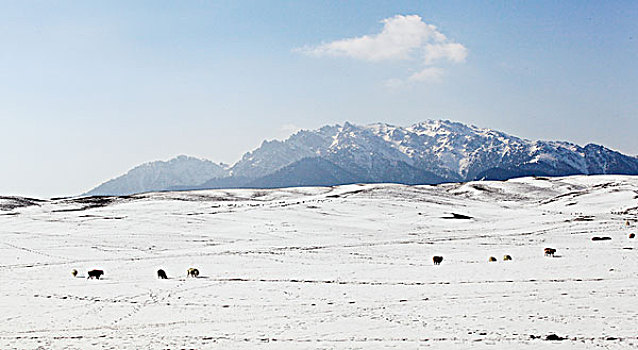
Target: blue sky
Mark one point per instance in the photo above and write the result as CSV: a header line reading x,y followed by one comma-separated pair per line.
x,y
91,89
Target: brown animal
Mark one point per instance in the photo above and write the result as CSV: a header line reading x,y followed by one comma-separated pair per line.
x,y
550,251
507,258
437,260
95,274
492,259
161,274
192,272
74,272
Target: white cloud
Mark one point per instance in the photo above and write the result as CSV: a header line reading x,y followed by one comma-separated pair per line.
x,y
428,74
453,52
402,38
401,35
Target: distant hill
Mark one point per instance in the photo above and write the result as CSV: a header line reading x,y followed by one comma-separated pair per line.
x,y
160,175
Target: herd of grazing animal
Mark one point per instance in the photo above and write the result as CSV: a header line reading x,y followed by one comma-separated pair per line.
x,y
437,259
194,273
161,274
548,251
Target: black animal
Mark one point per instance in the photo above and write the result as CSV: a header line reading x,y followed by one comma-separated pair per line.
x,y
74,272
632,235
161,274
192,272
550,251
492,259
95,274
437,260
507,258
604,238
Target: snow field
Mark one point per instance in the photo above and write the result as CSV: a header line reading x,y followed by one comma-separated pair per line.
x,y
344,267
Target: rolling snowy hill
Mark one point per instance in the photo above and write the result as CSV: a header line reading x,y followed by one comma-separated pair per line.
x,y
327,267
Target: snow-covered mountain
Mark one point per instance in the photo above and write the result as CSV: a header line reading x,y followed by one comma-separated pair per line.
x,y
449,150
429,152
161,175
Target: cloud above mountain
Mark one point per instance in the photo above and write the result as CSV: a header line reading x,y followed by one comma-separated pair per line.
x,y
403,38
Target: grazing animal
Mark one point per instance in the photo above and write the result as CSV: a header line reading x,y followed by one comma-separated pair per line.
x,y
550,251
74,272
95,274
507,257
492,259
161,274
437,260
632,235
192,272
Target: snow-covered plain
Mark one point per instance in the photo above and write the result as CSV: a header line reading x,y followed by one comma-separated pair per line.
x,y
343,267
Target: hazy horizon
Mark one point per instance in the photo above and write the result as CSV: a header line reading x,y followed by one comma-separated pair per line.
x,y
92,90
